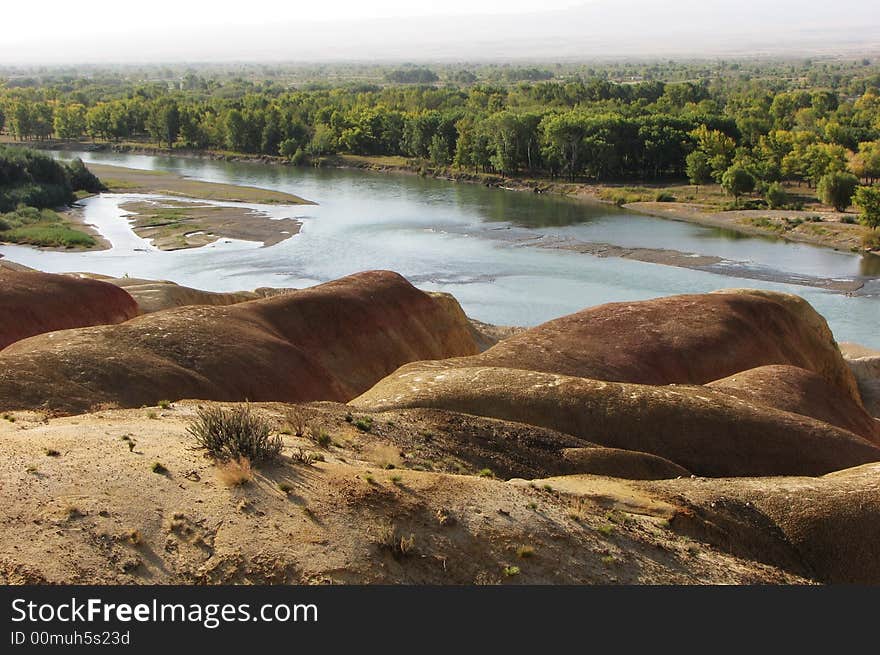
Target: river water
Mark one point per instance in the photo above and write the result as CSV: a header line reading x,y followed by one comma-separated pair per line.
x,y
471,241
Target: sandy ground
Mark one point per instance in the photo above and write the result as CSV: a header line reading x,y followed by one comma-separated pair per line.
x,y
82,504
176,225
130,180
830,232
698,262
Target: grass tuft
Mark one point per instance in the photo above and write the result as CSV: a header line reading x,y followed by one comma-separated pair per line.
x,y
235,472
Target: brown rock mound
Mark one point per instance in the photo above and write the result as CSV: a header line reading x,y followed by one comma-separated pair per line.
x,y
701,429
328,342
827,527
626,464
33,303
800,391
157,295
688,339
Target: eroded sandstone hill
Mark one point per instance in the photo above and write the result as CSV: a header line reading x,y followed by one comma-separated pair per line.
x,y
687,339
715,438
33,303
725,384
329,342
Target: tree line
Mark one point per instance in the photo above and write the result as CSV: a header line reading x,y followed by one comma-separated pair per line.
x,y
756,133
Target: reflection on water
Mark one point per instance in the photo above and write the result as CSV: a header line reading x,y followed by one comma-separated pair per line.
x,y
460,238
530,210
869,265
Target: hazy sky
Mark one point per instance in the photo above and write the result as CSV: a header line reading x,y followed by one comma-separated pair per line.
x,y
32,19
112,31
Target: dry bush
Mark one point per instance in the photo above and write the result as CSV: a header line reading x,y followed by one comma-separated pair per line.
x,y
302,456
319,435
234,433
395,543
297,421
235,472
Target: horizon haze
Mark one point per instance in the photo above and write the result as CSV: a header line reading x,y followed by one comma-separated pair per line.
x,y
394,31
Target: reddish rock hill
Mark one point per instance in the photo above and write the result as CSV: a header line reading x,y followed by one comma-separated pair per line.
x,y
803,392
688,339
329,342
33,303
784,402
698,428
828,528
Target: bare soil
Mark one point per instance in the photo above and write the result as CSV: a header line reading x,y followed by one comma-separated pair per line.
x,y
83,505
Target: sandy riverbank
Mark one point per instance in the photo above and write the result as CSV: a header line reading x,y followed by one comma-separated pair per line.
x,y
698,262
179,224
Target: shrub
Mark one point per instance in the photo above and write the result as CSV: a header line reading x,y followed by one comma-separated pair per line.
x,y
525,552
664,196
776,196
164,404
296,421
364,424
836,189
510,571
234,433
82,179
319,436
737,181
395,543
299,157
159,468
302,456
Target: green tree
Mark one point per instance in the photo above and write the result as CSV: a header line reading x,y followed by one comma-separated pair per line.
x,y
836,189
564,142
775,195
163,122
99,123
737,181
236,131
288,148
698,168
438,150
22,120
866,163
867,199
70,121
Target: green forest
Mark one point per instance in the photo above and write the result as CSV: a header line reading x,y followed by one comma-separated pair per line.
x,y
32,184
747,126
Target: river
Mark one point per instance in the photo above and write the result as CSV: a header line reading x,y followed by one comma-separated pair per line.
x,y
469,240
